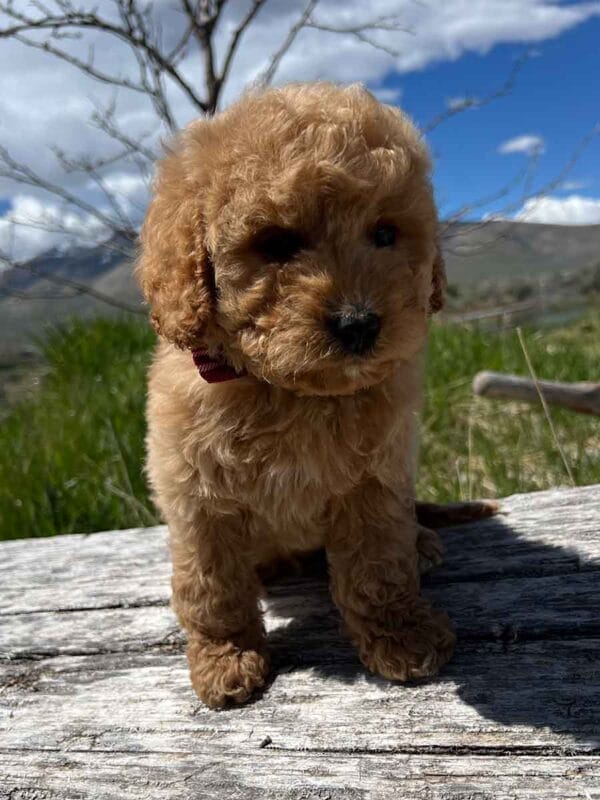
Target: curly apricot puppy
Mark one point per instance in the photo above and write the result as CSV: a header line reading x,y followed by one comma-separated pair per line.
x,y
291,247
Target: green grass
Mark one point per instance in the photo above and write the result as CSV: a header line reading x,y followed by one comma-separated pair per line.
x,y
71,452
477,447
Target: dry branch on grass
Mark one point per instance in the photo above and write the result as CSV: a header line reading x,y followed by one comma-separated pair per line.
x,y
583,396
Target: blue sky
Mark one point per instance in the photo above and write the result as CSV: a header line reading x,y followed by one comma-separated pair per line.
x,y
556,96
444,49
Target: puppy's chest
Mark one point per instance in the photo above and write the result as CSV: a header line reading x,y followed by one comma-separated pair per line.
x,y
288,460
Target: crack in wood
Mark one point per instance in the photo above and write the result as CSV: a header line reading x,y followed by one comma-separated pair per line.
x,y
78,609
463,751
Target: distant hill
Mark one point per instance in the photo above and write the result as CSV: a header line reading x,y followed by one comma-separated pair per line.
x,y
490,252
28,302
502,251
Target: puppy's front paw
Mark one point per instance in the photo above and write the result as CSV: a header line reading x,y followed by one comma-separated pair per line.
x,y
417,648
223,672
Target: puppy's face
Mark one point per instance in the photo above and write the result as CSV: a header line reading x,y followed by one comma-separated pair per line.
x,y
297,233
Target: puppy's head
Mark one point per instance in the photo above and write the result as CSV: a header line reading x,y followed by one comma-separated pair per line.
x,y
296,232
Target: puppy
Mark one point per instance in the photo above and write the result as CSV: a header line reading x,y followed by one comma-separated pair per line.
x,y
290,256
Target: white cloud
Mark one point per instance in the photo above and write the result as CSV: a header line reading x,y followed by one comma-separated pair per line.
x,y
28,228
530,144
572,210
36,222
573,186
458,103
444,31
45,102
388,95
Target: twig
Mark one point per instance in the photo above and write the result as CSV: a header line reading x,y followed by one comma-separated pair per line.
x,y
472,102
386,23
135,504
526,175
583,396
131,31
544,405
470,452
128,495
269,73
236,38
78,288
21,173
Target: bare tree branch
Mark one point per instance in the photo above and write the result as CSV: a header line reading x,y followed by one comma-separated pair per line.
x,y
234,42
525,176
204,16
558,179
269,73
86,67
51,25
112,199
362,32
132,31
55,26
105,120
20,173
19,295
51,225
159,72
473,102
151,71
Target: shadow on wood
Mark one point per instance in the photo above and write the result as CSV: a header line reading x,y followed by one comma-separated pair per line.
x,y
528,631
95,699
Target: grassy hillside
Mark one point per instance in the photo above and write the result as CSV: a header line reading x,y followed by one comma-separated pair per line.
x,y
71,451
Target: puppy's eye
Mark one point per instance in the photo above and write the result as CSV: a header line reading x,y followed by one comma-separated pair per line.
x,y
384,234
278,244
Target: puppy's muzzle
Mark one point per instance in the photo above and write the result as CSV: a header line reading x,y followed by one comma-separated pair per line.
x,y
356,328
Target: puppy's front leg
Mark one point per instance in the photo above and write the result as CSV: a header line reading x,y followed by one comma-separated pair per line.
x,y
372,552
215,595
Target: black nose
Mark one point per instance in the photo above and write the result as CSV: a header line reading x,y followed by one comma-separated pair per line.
x,y
355,328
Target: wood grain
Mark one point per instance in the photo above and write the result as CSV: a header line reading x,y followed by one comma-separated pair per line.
x,y
95,700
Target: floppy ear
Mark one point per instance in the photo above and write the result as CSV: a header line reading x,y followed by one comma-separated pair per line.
x,y
438,282
173,268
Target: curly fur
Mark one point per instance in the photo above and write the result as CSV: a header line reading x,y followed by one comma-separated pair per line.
x,y
312,447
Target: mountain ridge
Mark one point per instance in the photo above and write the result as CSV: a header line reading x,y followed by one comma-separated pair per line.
x,y
493,253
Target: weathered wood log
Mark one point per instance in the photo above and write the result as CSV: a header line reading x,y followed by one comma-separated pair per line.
x,y
583,396
95,699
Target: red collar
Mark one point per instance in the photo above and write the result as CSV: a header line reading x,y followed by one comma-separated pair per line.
x,y
214,370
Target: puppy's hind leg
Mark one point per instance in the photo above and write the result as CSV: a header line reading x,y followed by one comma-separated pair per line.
x,y
434,515
429,549
439,515
215,595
